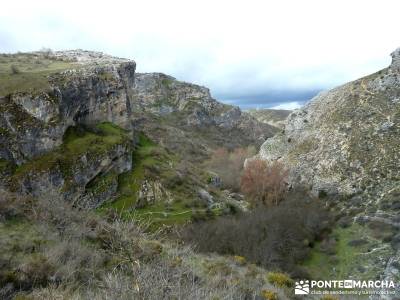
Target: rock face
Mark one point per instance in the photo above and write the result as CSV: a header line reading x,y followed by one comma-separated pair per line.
x,y
346,141
35,149
86,173
395,59
34,123
152,192
161,94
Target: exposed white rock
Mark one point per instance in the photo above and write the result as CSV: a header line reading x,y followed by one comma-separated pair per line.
x,y
346,141
395,59
205,196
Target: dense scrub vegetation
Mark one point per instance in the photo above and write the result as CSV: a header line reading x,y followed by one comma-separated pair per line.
x,y
50,250
276,237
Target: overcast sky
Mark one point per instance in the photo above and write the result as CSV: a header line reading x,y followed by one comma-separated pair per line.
x,y
251,53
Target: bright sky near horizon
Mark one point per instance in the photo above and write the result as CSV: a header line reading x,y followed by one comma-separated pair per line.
x,y
250,53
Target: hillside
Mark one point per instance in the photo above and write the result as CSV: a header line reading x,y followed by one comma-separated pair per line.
x,y
344,144
79,126
98,167
273,117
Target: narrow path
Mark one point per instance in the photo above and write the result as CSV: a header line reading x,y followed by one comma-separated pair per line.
x,y
167,213
173,214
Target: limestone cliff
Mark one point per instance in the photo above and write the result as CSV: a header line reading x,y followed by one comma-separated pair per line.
x,y
346,141
97,88
162,95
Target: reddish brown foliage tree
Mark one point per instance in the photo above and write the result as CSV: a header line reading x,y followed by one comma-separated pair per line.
x,y
264,182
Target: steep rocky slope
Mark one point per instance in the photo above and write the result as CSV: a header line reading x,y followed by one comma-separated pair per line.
x,y
162,94
273,117
70,121
185,119
346,142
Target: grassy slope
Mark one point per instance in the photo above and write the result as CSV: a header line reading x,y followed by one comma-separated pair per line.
x,y
32,71
150,161
349,260
129,182
153,162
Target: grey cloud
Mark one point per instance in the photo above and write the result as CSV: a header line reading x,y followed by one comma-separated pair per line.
x,y
266,99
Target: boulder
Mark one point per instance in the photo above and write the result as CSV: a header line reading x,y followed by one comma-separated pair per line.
x,y
205,196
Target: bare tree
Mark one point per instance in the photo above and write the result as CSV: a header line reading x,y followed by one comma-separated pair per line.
x,y
229,165
264,182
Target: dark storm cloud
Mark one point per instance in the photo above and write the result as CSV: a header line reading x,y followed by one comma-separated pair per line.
x,y
267,99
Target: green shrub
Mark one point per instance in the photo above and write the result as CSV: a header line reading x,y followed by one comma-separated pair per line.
x,y
329,297
279,279
15,69
269,295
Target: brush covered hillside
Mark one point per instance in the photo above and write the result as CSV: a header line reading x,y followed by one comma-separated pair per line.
x,y
273,117
98,164
345,143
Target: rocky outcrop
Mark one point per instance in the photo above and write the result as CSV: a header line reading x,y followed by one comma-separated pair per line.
x,y
99,89
83,169
346,141
395,59
152,192
162,95
205,197
75,187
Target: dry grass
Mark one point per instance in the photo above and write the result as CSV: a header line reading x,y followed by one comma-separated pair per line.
x,y
78,255
23,72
